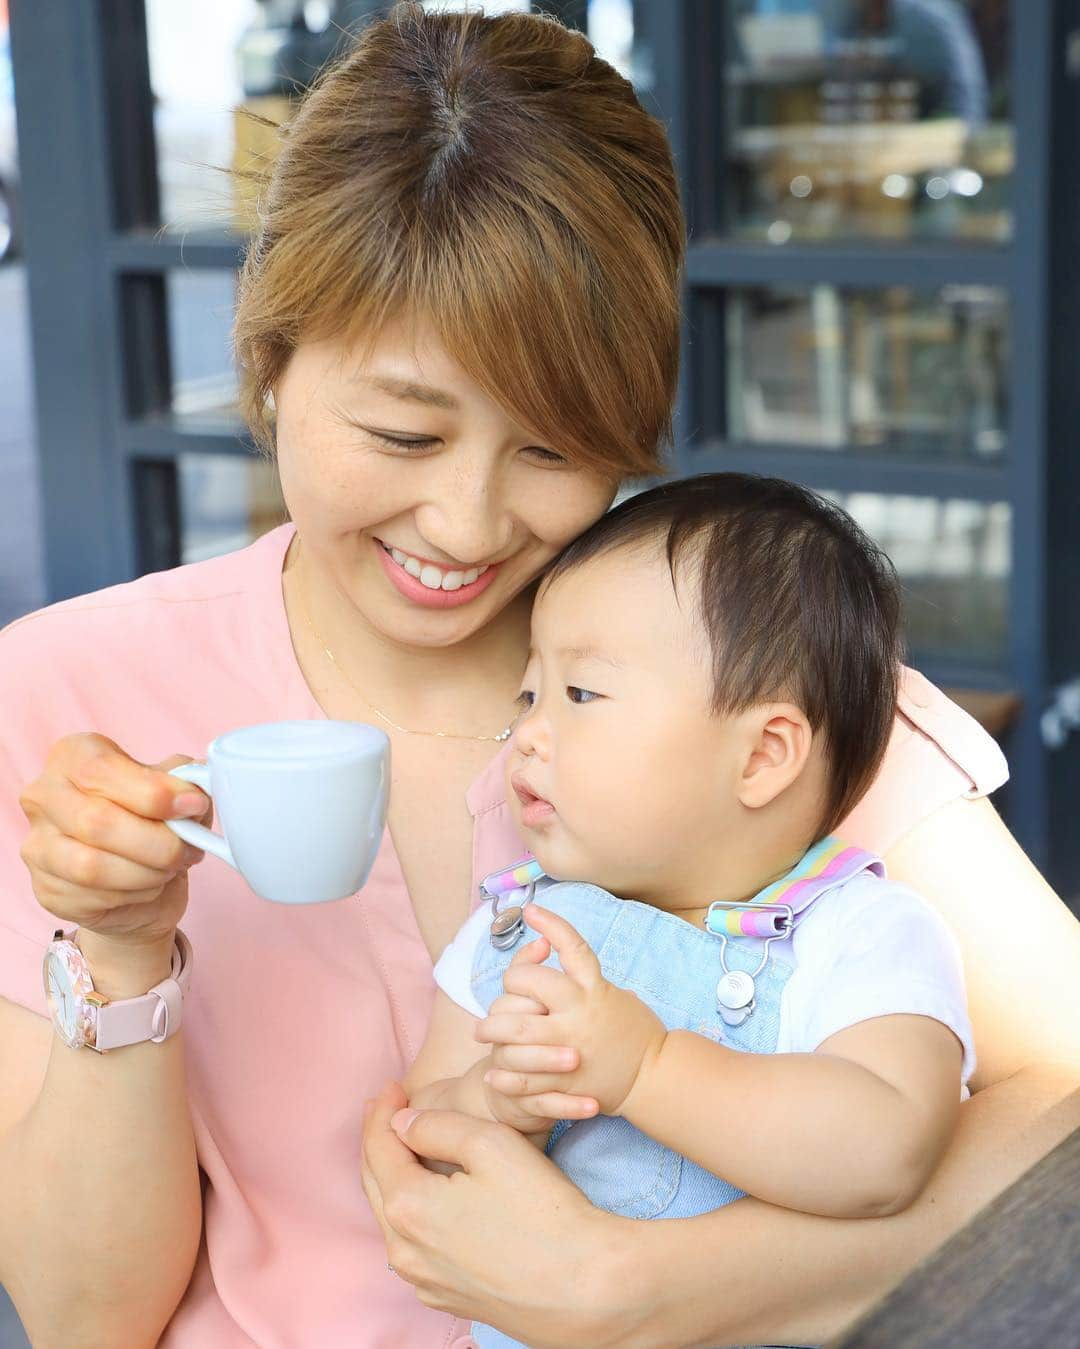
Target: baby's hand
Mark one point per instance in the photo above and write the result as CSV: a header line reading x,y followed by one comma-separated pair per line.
x,y
530,1115
609,1031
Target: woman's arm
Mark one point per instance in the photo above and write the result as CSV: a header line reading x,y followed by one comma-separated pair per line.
x,y
101,1211
1020,944
614,1283
801,1278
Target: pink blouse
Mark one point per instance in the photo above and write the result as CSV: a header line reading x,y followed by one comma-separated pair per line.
x,y
297,1015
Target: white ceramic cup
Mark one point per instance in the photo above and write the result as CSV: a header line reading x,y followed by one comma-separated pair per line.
x,y
302,805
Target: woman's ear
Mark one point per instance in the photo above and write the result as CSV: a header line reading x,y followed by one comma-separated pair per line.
x,y
779,741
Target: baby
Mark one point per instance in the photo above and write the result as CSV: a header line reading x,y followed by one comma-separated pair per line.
x,y
717,996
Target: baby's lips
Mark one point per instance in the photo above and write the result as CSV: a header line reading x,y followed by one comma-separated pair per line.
x,y
523,791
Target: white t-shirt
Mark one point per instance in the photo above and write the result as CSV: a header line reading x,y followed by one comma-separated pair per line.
x,y
866,948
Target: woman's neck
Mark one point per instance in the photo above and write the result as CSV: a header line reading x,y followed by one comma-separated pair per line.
x,y
462,688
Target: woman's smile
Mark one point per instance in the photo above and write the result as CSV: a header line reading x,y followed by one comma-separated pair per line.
x,y
435,575
431,585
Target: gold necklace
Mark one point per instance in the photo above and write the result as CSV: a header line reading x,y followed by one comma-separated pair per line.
x,y
406,730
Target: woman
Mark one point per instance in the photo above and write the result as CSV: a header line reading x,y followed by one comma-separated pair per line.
x,y
464,305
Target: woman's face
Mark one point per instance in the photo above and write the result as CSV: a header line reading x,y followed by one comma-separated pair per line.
x,y
428,506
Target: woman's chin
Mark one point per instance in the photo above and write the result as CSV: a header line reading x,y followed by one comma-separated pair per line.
x,y
414,626
419,625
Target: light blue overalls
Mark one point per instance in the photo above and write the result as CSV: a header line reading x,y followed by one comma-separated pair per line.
x,y
675,969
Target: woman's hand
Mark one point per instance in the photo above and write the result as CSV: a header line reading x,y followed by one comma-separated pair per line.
x,y
98,853
507,1240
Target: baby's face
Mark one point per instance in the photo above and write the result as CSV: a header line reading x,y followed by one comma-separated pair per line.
x,y
619,769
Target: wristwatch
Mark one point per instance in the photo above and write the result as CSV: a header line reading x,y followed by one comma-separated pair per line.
x,y
83,1016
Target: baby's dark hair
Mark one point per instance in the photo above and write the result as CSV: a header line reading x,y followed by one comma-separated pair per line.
x,y
796,600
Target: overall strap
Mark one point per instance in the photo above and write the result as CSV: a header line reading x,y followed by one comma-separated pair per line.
x,y
525,872
776,909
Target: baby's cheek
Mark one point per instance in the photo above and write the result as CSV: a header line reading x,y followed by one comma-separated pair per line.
x,y
653,841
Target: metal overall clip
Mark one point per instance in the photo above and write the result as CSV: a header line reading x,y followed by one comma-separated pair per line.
x,y
512,888
735,991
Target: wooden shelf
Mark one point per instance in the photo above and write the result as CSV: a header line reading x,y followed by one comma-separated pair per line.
x,y
995,712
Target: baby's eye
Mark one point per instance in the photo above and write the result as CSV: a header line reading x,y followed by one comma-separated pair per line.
x,y
525,699
577,695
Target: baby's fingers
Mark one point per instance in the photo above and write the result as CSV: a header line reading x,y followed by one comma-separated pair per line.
x,y
521,1084
532,953
575,954
535,1058
559,1105
511,1029
516,1003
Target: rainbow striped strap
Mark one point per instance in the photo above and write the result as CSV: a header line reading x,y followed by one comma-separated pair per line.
x,y
774,910
525,872
769,914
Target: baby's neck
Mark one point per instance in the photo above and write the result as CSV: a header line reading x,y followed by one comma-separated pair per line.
x,y
736,873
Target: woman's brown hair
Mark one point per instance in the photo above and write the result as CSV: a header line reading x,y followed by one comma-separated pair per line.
x,y
494,175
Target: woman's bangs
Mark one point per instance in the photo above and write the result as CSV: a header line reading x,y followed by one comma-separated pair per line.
x,y
521,329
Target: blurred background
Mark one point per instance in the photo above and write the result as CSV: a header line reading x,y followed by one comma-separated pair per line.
x,y
881,301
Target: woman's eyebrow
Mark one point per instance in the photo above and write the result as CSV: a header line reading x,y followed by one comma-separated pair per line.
x,y
409,391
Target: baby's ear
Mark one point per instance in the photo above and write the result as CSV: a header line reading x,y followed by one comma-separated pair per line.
x,y
779,740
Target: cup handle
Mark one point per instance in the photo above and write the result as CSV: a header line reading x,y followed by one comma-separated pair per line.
x,y
189,830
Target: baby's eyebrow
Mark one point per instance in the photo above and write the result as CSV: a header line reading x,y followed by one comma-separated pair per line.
x,y
591,653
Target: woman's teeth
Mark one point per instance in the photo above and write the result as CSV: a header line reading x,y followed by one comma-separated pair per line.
x,y
435,578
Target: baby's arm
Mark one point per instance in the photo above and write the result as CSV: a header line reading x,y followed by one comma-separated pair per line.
x,y
853,1130
448,1071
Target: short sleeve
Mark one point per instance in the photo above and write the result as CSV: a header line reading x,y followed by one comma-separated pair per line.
x,y
872,948
937,753
453,969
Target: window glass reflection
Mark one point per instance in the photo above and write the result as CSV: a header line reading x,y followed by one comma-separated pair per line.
x,y
619,40
886,119
199,306
896,370
195,77
953,558
226,501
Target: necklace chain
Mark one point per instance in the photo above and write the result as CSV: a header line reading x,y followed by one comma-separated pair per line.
x,y
406,730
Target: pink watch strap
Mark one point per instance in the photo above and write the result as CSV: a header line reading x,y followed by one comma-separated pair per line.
x,y
155,1015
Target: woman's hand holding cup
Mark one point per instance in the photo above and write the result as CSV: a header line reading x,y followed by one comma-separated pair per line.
x,y
302,805
101,858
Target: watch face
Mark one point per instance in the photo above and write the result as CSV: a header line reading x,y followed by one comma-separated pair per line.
x,y
67,981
